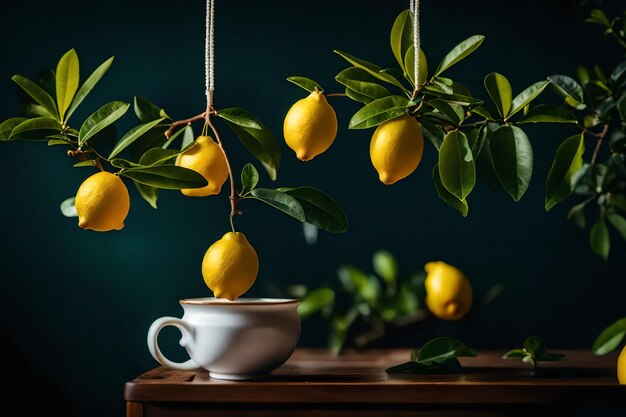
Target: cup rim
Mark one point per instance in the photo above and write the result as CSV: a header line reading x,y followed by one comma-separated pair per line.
x,y
239,302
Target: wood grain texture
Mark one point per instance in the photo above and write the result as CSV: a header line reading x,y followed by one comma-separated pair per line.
x,y
357,380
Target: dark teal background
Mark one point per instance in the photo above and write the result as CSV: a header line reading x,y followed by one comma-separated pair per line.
x,y
75,306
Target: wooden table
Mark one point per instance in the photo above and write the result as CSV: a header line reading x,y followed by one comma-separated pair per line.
x,y
313,383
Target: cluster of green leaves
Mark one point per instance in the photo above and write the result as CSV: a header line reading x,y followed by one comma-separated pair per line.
x,y
363,305
461,128
601,100
305,204
474,136
534,351
438,356
148,154
610,338
49,120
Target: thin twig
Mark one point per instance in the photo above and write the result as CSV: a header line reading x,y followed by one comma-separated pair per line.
x,y
600,137
336,95
233,195
178,123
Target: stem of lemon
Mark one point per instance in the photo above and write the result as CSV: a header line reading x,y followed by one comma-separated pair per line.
x,y
233,195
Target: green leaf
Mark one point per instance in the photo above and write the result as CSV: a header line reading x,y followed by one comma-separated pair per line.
x,y
320,209
306,83
360,82
372,69
456,165
461,100
156,156
67,79
567,161
577,215
240,117
449,367
360,98
433,133
37,93
525,97
33,109
567,87
459,52
148,193
621,107
132,135
249,178
279,200
618,222
548,113
123,163
102,118
453,112
87,86
146,111
401,38
512,157
409,63
169,177
38,123
610,338
477,138
599,239
535,346
482,111
356,282
385,266
598,17
514,354
68,207
87,163
379,111
188,137
442,349
500,92
447,196
8,125
261,144
618,200
315,301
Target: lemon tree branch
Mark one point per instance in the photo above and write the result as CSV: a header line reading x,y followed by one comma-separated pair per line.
x,y
233,195
179,123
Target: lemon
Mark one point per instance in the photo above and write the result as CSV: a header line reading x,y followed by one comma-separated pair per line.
x,y
621,367
230,266
448,292
310,126
102,202
396,148
206,158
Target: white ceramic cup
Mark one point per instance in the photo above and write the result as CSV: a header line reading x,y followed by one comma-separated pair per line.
x,y
243,339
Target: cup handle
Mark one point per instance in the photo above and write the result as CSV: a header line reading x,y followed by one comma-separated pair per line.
x,y
153,344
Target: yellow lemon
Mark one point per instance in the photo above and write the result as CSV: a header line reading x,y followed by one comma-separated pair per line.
x,y
448,292
310,126
206,158
396,148
102,202
230,266
621,367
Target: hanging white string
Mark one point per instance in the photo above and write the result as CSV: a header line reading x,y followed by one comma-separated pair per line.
x,y
415,8
209,53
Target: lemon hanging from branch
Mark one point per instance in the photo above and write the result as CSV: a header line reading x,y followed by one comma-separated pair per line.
x,y
206,158
102,202
310,126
